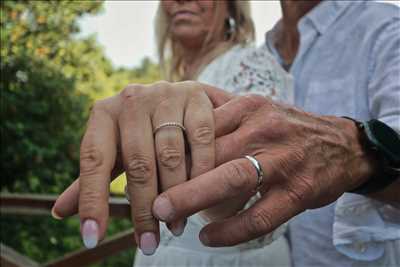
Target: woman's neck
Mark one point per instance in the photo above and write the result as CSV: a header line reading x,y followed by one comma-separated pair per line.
x,y
288,37
196,58
192,59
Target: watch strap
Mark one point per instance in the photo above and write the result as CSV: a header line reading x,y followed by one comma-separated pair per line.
x,y
389,171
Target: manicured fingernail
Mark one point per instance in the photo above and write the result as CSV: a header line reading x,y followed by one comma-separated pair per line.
x,y
204,239
177,228
55,215
148,243
90,233
163,209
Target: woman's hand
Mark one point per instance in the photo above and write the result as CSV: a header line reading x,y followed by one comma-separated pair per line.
x,y
120,137
104,138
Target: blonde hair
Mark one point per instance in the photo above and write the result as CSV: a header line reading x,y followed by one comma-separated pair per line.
x,y
170,53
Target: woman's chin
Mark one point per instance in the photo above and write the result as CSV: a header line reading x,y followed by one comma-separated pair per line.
x,y
185,34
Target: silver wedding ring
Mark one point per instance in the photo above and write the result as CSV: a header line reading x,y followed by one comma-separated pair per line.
x,y
260,172
170,124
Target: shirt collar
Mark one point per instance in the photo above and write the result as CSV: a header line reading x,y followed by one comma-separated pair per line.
x,y
317,20
320,17
324,15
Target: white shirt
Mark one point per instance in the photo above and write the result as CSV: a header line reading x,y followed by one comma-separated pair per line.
x,y
348,64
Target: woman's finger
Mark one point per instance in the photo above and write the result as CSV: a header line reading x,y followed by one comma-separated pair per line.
x,y
200,132
170,150
67,203
140,166
97,159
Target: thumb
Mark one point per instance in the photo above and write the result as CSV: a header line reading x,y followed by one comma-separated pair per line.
x,y
217,96
229,116
67,203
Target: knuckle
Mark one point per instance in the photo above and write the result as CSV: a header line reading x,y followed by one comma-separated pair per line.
x,y
203,135
161,85
91,159
191,85
132,92
89,203
258,221
170,157
103,107
301,191
254,100
255,133
280,123
237,179
259,99
194,91
163,89
273,128
139,169
143,217
89,197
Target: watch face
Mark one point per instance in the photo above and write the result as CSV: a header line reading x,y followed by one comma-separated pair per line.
x,y
385,139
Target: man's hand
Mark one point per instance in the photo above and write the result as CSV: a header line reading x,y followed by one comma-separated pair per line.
x,y
308,162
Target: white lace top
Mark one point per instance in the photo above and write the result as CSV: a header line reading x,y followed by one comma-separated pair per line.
x,y
240,70
244,70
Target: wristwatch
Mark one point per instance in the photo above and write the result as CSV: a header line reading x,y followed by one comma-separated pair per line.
x,y
385,143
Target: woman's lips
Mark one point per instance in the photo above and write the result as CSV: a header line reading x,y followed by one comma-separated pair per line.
x,y
183,15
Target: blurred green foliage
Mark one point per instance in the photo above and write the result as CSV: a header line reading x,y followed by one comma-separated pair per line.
x,y
49,78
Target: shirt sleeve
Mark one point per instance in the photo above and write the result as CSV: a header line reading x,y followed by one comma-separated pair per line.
x,y
363,227
384,83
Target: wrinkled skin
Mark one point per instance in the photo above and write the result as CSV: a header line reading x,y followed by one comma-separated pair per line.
x,y
308,160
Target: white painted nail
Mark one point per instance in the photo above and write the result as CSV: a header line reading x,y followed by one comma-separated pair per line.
x,y
90,233
148,243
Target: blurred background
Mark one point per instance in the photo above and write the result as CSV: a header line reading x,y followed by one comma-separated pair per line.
x,y
57,57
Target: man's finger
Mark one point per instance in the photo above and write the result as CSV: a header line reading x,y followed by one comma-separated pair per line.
x,y
228,147
217,96
230,114
97,158
262,218
228,117
226,181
